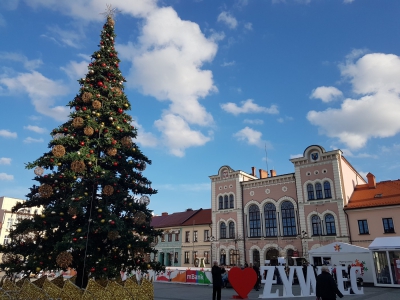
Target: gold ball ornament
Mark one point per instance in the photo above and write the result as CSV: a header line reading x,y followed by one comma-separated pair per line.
x,y
45,191
77,122
126,141
96,104
79,230
108,190
86,97
64,259
38,269
78,166
111,151
58,151
88,131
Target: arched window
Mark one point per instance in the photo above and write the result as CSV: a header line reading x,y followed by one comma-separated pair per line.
x,y
233,257
231,201
222,230
270,220
327,189
226,202
256,257
316,225
310,191
288,219
318,190
254,221
221,202
222,258
231,227
330,225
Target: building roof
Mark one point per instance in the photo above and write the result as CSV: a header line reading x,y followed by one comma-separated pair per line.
x,y
201,218
385,193
175,219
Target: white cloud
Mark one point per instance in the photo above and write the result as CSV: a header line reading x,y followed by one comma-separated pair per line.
x,y
76,70
5,161
248,26
28,64
8,134
4,176
228,19
395,148
71,38
251,137
248,106
35,118
284,119
41,90
376,113
228,64
349,153
178,136
30,140
253,121
348,1
326,93
144,138
36,129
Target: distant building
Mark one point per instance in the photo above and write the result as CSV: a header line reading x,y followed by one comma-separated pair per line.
x,y
374,211
264,216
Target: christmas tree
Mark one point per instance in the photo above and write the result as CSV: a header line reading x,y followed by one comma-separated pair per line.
x,y
89,183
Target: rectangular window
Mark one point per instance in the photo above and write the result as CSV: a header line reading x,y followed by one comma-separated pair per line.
x,y
186,257
176,237
206,257
363,226
9,223
169,237
163,238
388,225
206,235
176,258
195,236
6,239
187,236
194,256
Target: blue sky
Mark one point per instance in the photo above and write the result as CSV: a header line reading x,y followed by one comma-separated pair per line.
x,y
211,83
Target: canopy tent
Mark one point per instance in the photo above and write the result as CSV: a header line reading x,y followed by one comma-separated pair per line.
x,y
385,243
337,248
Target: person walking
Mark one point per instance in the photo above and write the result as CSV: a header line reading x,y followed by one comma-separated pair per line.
x,y
326,286
216,272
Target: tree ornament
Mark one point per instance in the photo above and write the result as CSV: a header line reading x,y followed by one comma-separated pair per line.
x,y
78,166
38,171
96,104
72,211
88,131
58,151
77,122
139,217
108,190
113,235
111,151
126,141
45,191
86,97
64,259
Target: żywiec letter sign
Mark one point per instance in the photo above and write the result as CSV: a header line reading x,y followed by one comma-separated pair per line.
x,y
308,284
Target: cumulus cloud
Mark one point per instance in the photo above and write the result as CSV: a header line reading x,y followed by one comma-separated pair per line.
x,y
36,129
251,137
253,121
8,134
326,93
30,140
144,138
248,106
75,69
375,113
248,26
17,57
4,176
228,19
41,90
228,64
178,135
5,161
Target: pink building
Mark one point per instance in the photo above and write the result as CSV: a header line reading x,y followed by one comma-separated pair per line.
x,y
262,216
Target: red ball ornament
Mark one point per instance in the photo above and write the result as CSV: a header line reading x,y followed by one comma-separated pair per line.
x,y
120,110
115,164
51,160
100,83
82,143
84,108
91,151
104,269
65,129
113,142
77,108
105,130
74,239
111,55
112,222
92,270
103,64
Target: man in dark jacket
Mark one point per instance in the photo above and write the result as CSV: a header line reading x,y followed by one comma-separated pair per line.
x,y
326,286
216,272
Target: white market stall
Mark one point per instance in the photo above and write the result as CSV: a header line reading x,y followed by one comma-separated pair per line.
x,y
385,253
343,254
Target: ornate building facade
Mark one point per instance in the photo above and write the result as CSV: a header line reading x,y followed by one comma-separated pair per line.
x,y
265,216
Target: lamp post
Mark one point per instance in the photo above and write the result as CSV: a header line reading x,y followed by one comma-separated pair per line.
x,y
211,239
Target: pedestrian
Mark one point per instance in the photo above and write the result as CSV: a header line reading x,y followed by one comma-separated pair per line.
x,y
217,281
326,286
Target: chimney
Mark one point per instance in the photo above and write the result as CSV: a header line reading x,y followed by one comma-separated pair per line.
x,y
253,171
189,209
263,174
371,181
164,214
273,173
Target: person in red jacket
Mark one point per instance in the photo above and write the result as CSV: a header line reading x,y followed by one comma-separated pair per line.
x,y
326,286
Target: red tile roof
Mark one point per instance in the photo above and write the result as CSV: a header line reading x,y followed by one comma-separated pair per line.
x,y
386,193
174,219
201,218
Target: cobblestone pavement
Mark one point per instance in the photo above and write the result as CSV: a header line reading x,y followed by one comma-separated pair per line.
x,y
173,291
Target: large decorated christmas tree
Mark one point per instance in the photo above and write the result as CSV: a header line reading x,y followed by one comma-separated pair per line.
x,y
90,185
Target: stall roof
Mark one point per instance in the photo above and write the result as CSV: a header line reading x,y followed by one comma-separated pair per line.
x,y
337,248
385,243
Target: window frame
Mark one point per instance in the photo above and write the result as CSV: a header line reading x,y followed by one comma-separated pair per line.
x,y
187,257
195,236
231,230
220,202
207,257
288,229
169,237
329,225
327,190
316,225
176,237
226,202
364,224
231,201
187,236
254,221
388,230
310,192
206,235
318,191
270,219
222,230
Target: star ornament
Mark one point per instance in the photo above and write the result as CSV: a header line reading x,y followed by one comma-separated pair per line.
x,y
110,11
337,247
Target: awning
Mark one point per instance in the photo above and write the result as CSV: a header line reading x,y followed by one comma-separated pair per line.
x,y
385,243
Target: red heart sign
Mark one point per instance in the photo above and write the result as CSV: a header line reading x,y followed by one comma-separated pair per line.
x,y
242,281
